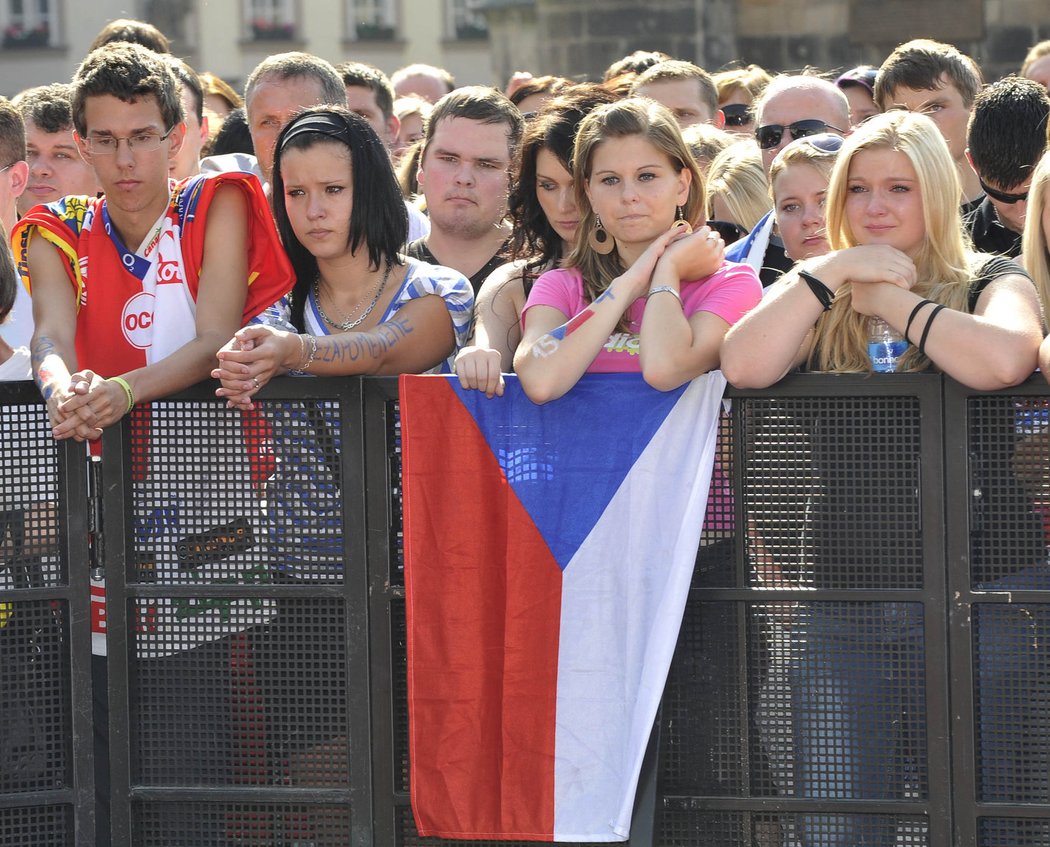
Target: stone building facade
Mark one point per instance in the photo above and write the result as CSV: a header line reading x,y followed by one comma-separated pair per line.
x,y
579,38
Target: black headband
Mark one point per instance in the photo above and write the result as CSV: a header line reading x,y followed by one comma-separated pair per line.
x,y
322,122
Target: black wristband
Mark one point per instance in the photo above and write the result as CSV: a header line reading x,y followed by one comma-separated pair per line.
x,y
824,294
926,329
911,317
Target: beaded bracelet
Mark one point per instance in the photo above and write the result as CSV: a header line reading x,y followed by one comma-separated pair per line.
x,y
123,383
824,294
666,288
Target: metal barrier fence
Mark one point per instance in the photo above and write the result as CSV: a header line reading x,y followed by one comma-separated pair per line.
x,y
864,657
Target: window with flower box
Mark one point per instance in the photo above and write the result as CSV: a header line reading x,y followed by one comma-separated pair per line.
x,y
271,20
464,21
28,23
372,20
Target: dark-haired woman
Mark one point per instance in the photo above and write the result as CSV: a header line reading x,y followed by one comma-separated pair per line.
x,y
358,306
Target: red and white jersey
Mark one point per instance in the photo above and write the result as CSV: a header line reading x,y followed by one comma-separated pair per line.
x,y
137,304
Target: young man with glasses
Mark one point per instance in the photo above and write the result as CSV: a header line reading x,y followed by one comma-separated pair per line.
x,y
133,294
146,233
1006,137
791,107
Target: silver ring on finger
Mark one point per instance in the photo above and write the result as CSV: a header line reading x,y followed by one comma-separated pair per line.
x,y
255,383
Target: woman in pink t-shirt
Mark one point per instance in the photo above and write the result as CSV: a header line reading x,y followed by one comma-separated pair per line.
x,y
640,291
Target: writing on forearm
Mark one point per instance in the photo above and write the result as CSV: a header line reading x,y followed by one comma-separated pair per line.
x,y
354,346
548,344
545,346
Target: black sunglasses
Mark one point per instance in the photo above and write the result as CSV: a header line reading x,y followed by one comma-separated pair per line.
x,y
729,231
1002,196
737,114
769,136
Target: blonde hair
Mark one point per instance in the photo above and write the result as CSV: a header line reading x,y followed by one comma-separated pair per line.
x,y
622,119
1035,53
945,261
1034,247
737,177
219,87
752,79
800,153
705,141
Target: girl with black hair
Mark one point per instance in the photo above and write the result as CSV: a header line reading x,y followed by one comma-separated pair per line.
x,y
358,306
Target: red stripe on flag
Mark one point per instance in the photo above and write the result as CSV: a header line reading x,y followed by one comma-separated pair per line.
x,y
484,605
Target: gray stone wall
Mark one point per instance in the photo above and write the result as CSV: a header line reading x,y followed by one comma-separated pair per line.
x,y
580,38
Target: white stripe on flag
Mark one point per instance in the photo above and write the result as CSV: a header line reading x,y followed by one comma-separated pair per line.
x,y
623,595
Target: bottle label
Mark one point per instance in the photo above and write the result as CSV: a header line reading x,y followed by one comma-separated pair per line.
x,y
884,355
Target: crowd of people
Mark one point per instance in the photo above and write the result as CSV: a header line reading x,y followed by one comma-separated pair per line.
x,y
164,229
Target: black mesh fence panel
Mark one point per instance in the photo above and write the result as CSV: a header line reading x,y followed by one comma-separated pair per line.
x,y
1016,831
1009,469
688,828
237,658
41,826
831,492
841,678
777,690
35,685
34,696
399,683
242,824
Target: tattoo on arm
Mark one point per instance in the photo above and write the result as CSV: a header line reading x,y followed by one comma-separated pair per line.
x,y
43,348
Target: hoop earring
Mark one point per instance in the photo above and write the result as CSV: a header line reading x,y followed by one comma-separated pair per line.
x,y
599,240
679,215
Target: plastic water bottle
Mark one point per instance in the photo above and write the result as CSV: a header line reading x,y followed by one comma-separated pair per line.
x,y
885,345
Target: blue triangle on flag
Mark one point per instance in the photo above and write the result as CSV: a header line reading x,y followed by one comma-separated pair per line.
x,y
565,460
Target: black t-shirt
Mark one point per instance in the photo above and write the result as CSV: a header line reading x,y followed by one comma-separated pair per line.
x,y
988,233
418,250
775,263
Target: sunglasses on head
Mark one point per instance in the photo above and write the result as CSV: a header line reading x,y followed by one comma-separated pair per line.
x,y
823,142
1002,196
769,136
737,114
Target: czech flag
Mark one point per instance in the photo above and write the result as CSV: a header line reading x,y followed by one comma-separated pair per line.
x,y
548,556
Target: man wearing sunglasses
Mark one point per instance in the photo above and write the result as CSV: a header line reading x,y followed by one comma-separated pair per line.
x,y
1006,136
790,108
